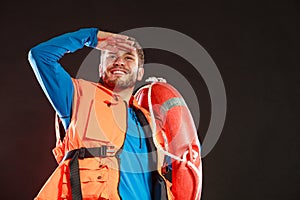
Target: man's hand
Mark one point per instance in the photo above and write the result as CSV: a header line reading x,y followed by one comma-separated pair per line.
x,y
114,42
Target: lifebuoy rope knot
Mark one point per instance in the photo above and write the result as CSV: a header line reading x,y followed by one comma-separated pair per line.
x,y
154,79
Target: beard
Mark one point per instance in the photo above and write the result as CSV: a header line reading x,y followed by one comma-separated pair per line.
x,y
119,82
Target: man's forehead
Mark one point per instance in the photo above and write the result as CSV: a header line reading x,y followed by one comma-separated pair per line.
x,y
121,53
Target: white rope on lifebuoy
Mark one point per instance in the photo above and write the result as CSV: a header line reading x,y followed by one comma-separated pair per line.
x,y
193,166
155,79
199,174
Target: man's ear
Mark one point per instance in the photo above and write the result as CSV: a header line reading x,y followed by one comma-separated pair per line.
x,y
140,73
100,70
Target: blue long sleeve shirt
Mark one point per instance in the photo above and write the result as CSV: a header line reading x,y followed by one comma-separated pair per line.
x,y
135,175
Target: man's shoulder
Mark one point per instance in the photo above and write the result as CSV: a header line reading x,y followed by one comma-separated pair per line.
x,y
83,81
83,86
86,84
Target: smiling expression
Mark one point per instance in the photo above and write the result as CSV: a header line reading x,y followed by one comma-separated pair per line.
x,y
120,70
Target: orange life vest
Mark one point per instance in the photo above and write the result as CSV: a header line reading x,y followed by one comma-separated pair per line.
x,y
98,118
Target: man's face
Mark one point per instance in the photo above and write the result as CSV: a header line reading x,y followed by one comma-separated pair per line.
x,y
120,70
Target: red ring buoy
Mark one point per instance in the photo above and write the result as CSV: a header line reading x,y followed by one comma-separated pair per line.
x,y
173,119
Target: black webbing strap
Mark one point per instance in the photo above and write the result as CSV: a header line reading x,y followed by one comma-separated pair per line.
x,y
75,178
159,187
74,155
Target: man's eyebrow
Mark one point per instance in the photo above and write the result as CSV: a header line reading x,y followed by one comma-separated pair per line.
x,y
111,53
129,53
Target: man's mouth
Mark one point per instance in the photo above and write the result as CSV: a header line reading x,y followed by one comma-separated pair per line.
x,y
118,71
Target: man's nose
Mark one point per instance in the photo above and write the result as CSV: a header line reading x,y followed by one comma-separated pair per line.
x,y
119,62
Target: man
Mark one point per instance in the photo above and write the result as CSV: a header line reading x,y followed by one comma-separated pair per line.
x,y
105,149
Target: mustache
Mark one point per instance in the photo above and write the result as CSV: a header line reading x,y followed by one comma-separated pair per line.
x,y
122,68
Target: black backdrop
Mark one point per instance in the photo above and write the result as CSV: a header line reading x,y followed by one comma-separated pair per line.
x,y
253,43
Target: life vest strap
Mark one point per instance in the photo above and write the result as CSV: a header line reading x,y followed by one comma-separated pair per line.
x,y
103,151
74,155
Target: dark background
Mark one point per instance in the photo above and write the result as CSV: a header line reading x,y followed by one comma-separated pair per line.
x,y
253,43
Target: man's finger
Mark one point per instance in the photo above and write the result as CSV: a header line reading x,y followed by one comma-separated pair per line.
x,y
130,42
125,46
111,48
119,36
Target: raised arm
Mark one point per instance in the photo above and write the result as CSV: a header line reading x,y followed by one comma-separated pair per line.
x,y
54,80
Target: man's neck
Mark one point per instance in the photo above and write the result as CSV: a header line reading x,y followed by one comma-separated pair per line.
x,y
125,94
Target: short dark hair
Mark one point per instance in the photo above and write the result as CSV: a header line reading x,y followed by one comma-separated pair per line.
x,y
139,51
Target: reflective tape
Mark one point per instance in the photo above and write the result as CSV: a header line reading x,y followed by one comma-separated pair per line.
x,y
176,101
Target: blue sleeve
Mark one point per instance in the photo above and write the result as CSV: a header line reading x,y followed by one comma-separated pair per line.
x,y
54,80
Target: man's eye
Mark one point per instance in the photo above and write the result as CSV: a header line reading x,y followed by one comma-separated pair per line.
x,y
111,56
129,58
